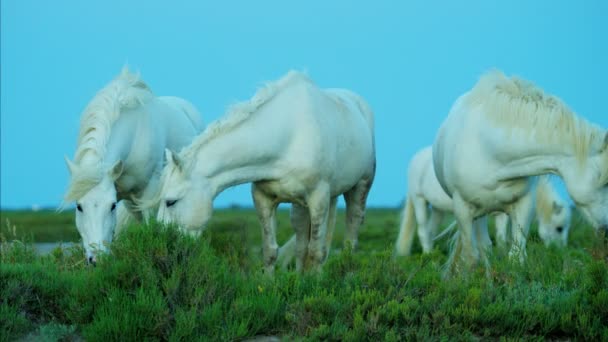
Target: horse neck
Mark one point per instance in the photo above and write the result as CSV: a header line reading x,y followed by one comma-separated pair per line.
x,y
246,154
531,158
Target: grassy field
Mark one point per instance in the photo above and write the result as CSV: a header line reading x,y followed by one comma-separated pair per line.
x,y
159,285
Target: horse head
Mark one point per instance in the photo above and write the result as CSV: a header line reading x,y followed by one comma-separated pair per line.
x,y
555,227
184,201
96,208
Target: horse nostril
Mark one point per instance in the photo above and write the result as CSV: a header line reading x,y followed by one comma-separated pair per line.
x,y
92,261
559,229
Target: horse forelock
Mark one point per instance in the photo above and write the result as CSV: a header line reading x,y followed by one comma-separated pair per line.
x,y
240,112
81,182
126,91
514,102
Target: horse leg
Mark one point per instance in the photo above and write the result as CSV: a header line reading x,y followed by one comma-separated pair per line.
x,y
481,230
355,199
521,213
483,239
331,224
501,225
434,222
465,247
300,221
266,207
421,213
427,235
318,203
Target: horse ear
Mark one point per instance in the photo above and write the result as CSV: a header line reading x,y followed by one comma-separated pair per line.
x,y
71,166
557,208
173,159
116,170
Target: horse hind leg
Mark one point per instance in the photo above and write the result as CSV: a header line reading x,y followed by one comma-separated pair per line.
x,y
331,225
298,244
483,240
355,199
428,233
300,221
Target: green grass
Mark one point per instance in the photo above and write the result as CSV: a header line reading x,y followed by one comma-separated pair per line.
x,y
160,285
39,226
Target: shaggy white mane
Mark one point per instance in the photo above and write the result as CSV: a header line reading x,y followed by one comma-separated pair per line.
x,y
240,112
126,91
518,103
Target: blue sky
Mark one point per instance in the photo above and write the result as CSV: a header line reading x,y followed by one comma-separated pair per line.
x,y
409,59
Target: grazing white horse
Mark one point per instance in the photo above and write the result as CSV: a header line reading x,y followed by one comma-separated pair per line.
x,y
552,212
500,134
124,131
427,203
296,143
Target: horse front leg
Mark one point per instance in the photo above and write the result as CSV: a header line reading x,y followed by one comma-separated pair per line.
x,y
266,207
465,248
318,206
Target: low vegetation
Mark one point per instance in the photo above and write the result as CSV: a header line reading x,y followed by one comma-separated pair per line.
x,y
158,284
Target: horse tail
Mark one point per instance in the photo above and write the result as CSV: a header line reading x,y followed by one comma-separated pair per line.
x,y
406,230
287,252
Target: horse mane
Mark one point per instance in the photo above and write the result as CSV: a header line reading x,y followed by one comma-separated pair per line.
x,y
545,197
126,91
240,112
518,103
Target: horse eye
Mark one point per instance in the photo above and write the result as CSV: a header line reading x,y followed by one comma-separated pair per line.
x,y
170,203
78,207
113,206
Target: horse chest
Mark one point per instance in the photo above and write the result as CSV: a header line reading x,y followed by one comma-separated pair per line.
x,y
284,190
498,195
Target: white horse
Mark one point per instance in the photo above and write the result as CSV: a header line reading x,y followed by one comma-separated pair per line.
x,y
553,215
427,203
500,134
296,143
123,133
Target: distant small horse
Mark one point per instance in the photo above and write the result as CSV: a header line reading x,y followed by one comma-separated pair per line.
x,y
296,143
123,134
552,212
426,204
500,134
